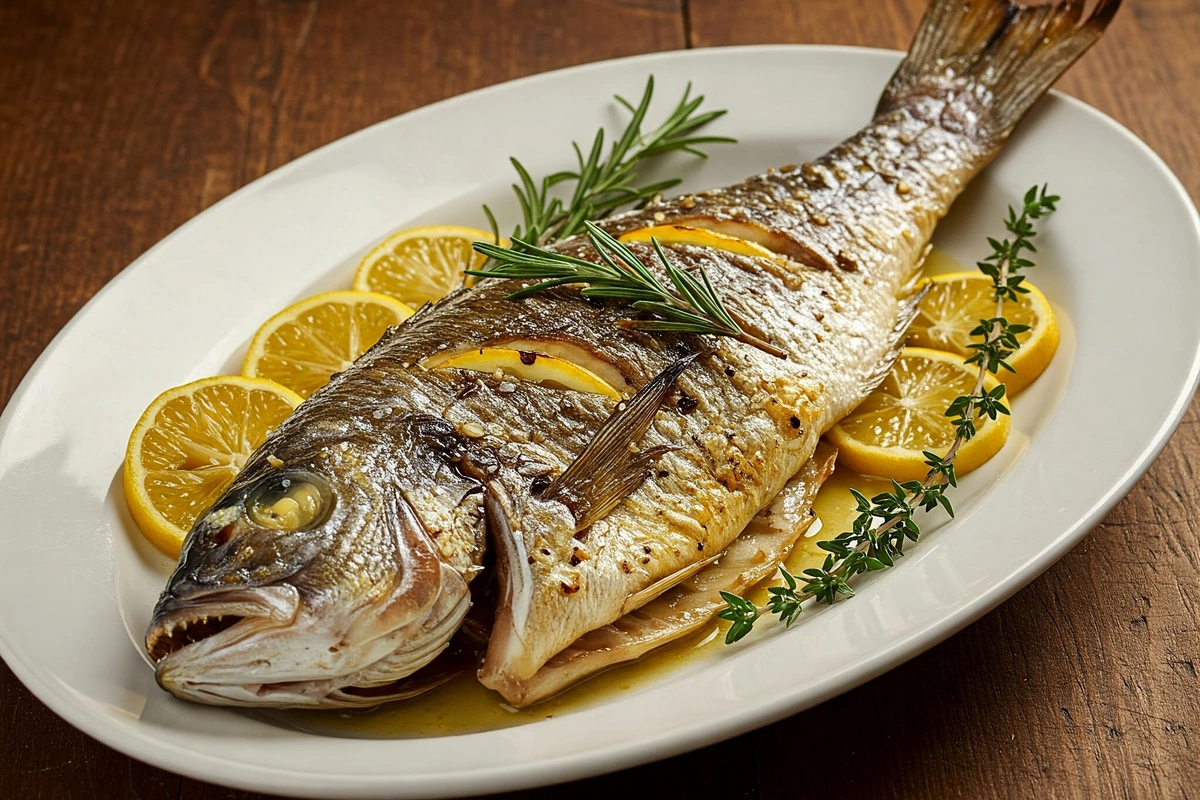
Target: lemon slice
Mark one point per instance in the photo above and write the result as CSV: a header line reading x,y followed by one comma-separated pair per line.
x,y
682,234
188,446
303,345
418,265
955,304
887,433
547,370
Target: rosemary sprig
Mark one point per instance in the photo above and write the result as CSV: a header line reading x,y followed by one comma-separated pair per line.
x,y
604,184
886,521
692,307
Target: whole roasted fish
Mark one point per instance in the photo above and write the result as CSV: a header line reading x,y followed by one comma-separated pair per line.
x,y
338,564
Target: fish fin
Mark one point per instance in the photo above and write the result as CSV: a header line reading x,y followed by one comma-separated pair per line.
x,y
607,471
614,486
1013,52
906,312
639,599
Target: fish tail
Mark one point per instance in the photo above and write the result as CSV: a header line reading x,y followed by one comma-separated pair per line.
x,y
1008,55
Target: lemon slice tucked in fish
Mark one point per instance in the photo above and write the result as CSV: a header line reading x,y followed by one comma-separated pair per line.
x,y
188,446
303,345
956,302
906,415
529,366
683,234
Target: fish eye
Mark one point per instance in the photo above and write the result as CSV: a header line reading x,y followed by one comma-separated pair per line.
x,y
291,501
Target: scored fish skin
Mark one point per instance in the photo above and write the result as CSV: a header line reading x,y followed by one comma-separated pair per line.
x,y
422,469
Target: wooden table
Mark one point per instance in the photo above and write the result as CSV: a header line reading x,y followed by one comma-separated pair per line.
x,y
122,120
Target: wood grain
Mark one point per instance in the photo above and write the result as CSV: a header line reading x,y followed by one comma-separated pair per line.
x,y
121,120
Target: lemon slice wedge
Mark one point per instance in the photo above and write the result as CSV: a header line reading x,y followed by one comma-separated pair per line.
x,y
303,345
419,265
188,446
957,301
683,234
888,432
529,366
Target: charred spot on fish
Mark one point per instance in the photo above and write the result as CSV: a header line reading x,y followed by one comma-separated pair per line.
x,y
646,560
582,535
626,568
730,372
794,422
527,358
545,551
540,484
292,501
662,473
646,549
569,588
700,546
848,264
184,632
686,404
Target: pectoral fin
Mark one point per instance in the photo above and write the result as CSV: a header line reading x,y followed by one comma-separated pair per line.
x,y
610,468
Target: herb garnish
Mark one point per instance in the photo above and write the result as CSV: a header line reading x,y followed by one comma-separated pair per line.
x,y
869,546
693,307
602,185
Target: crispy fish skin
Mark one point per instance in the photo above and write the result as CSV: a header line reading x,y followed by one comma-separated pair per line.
x,y
690,605
421,469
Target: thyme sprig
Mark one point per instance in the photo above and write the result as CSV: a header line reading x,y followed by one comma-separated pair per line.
x,y
885,522
690,305
605,184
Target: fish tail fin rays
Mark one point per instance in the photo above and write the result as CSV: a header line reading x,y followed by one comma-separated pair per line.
x,y
906,312
1008,53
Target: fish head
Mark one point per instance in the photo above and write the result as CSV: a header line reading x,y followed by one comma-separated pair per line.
x,y
309,585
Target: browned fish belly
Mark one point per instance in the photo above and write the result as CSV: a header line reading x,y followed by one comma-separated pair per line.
x,y
421,468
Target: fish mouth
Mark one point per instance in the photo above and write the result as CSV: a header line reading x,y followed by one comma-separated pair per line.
x,y
217,617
